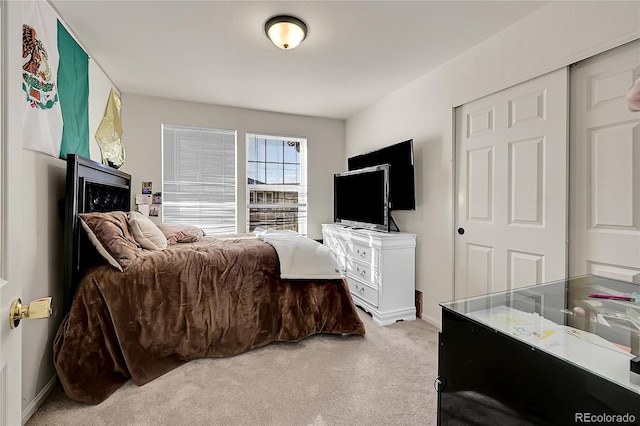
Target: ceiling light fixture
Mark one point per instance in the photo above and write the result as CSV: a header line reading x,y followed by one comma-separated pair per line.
x,y
285,31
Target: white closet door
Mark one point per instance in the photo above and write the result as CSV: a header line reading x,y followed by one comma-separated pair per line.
x,y
511,184
604,219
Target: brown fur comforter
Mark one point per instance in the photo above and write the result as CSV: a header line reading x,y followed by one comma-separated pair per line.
x,y
214,298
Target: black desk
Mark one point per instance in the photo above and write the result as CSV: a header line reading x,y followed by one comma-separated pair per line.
x,y
546,354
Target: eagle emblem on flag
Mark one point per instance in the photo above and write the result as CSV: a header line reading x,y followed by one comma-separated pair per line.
x,y
38,82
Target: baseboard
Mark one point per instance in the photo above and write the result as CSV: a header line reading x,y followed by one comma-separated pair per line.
x,y
39,399
432,321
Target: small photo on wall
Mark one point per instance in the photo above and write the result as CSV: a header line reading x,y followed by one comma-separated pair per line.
x,y
157,198
147,187
154,210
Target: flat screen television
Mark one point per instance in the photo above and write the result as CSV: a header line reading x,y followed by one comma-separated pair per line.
x,y
361,198
401,172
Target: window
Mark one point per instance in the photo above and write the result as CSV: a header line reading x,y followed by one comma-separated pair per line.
x,y
199,178
277,183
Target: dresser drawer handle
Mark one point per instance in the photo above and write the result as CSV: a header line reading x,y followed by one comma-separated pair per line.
x,y
359,289
361,253
362,271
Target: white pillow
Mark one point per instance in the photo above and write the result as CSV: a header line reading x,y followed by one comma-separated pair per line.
x,y
146,233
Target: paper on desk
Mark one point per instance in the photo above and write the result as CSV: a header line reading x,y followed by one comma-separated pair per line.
x,y
539,331
593,339
529,327
596,354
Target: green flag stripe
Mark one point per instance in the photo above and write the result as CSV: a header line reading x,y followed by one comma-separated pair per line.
x,y
73,91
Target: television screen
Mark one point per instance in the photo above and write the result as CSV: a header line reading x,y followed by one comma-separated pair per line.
x,y
361,198
401,175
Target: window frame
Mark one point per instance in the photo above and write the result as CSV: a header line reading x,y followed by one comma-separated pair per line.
x,y
210,228
268,189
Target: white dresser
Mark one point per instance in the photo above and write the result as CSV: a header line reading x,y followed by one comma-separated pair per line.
x,y
380,269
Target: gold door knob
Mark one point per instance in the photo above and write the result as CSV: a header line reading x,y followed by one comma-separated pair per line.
x,y
41,308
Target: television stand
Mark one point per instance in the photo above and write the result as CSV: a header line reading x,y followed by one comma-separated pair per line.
x,y
379,268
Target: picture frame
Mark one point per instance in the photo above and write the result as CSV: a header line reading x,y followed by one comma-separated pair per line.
x,y
154,210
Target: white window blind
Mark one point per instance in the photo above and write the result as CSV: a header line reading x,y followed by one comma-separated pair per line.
x,y
199,178
276,182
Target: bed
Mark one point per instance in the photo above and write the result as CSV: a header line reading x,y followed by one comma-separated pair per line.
x,y
213,297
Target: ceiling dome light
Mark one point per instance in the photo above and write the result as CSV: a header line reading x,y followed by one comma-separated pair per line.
x,y
286,32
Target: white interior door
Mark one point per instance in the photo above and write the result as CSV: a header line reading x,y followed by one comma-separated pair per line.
x,y
604,231
511,187
10,339
10,361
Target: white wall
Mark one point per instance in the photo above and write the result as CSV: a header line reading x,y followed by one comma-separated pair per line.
x,y
556,35
34,184
143,116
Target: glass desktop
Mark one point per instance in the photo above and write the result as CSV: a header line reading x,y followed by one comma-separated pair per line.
x,y
599,335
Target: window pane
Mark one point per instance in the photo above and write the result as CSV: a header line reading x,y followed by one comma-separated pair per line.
x,y
255,173
252,150
255,150
291,173
274,151
292,152
274,173
276,218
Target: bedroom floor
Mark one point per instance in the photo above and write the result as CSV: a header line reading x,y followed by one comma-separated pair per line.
x,y
383,378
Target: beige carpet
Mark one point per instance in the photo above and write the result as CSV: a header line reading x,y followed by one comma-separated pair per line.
x,y
383,378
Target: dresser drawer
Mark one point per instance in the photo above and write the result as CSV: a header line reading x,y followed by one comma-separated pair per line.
x,y
363,291
362,253
336,245
362,271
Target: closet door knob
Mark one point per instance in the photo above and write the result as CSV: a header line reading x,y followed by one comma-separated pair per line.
x,y
461,231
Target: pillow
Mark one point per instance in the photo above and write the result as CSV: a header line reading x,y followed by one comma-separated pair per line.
x,y
109,233
146,233
177,233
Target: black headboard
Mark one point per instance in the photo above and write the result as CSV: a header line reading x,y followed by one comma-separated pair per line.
x,y
90,187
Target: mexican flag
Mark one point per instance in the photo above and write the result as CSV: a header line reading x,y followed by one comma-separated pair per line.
x,y
55,79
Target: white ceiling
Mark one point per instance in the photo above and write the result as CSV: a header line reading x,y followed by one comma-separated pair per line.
x,y
216,52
